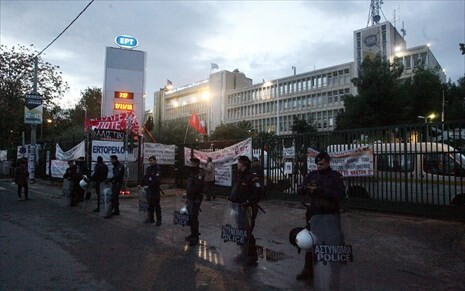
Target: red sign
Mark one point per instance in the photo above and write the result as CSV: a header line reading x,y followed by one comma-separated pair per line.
x,y
117,122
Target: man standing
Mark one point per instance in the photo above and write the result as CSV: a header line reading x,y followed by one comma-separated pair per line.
x,y
21,177
258,170
209,179
117,183
84,171
99,176
246,193
194,197
73,177
152,179
326,190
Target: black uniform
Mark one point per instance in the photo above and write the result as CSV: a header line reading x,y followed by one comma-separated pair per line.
x,y
117,184
194,197
152,179
99,176
246,192
83,170
74,177
323,210
21,176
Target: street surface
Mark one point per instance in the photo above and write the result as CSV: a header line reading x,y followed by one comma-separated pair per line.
x,y
47,245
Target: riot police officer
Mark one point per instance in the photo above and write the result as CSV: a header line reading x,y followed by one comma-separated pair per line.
x,y
194,197
152,179
246,192
326,190
117,184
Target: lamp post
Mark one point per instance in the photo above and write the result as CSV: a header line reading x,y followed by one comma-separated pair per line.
x,y
431,116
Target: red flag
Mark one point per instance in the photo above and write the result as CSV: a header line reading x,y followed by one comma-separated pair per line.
x,y
194,121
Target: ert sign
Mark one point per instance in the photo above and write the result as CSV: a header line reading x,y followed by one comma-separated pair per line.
x,y
126,41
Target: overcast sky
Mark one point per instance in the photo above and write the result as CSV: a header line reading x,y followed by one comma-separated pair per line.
x,y
263,39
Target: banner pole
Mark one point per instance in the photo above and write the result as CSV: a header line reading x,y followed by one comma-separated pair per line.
x,y
185,136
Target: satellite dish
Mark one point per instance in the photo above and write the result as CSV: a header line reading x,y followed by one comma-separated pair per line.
x,y
376,18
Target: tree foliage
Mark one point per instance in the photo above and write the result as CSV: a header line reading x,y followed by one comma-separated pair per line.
x,y
378,91
174,132
384,99
240,130
302,126
16,80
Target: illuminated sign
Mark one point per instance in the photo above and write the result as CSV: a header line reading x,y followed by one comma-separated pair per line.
x,y
123,106
126,41
124,95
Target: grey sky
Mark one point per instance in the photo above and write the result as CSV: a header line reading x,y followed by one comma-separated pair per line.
x,y
263,39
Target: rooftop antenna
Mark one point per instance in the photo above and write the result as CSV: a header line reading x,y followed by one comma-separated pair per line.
x,y
374,16
404,32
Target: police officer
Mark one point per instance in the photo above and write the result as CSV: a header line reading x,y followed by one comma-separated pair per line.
x,y
99,176
194,196
326,190
74,177
152,179
117,183
258,170
246,192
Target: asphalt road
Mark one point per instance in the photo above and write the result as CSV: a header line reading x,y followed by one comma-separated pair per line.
x,y
47,245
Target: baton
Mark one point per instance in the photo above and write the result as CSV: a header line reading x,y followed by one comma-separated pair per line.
x,y
161,191
263,210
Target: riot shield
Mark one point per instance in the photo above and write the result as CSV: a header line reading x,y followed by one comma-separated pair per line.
x,y
67,189
143,204
105,194
180,227
237,245
332,252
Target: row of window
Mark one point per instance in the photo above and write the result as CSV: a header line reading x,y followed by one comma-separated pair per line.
x,y
320,119
335,97
336,78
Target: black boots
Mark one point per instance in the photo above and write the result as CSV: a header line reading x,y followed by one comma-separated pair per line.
x,y
194,237
307,271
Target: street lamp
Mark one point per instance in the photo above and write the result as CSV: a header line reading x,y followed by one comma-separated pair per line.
x,y
431,116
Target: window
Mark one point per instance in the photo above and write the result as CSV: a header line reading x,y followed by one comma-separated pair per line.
x,y
441,164
395,162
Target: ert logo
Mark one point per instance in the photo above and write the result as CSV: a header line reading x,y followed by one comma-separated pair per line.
x,y
371,40
126,41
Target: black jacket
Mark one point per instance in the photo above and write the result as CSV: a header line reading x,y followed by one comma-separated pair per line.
x,y
100,172
152,177
195,182
118,173
246,188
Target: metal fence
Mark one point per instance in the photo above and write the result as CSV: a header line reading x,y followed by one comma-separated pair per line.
x,y
418,169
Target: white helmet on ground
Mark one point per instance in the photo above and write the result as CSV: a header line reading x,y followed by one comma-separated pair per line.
x,y
305,239
183,210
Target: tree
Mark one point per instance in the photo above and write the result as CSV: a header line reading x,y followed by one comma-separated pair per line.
x,y
378,91
240,130
455,100
174,131
422,95
16,80
301,126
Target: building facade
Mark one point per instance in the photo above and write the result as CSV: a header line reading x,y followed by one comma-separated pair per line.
x,y
316,96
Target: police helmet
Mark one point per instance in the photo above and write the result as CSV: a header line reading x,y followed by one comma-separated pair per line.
x,y
305,239
183,210
84,182
293,235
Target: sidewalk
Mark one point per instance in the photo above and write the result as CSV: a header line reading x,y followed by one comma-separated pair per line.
x,y
391,252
